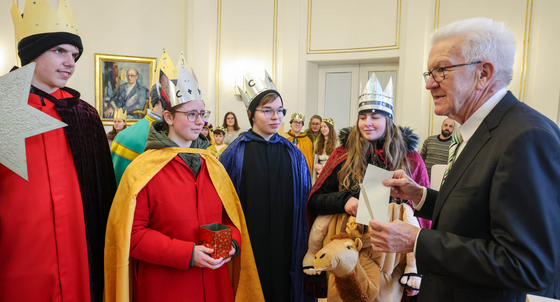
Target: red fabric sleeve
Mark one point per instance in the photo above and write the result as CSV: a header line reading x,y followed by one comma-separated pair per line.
x,y
151,246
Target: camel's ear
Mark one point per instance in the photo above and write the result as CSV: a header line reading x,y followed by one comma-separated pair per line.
x,y
358,244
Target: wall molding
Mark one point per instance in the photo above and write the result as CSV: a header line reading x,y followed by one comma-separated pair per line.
x,y
219,48
355,49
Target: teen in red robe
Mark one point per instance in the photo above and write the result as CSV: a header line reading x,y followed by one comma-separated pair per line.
x,y
165,196
169,212
52,227
43,250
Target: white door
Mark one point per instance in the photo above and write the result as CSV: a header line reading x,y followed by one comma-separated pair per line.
x,y
337,92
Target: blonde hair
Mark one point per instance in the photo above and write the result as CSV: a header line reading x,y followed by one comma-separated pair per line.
x,y
359,149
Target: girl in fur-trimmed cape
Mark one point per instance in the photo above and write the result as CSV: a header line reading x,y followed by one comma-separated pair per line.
x,y
375,140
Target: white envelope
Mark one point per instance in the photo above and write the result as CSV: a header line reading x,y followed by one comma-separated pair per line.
x,y
374,196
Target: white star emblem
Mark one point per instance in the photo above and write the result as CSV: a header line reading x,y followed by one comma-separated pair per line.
x,y
22,120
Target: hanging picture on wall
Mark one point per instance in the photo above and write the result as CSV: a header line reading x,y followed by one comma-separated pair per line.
x,y
122,82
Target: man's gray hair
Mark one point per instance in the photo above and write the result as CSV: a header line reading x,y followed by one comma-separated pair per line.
x,y
483,39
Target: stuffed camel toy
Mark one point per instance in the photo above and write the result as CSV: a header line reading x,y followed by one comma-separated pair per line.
x,y
377,273
340,257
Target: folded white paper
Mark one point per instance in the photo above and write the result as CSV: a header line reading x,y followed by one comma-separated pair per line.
x,y
374,196
533,298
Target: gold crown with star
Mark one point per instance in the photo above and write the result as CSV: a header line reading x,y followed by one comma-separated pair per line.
x,y
120,113
39,18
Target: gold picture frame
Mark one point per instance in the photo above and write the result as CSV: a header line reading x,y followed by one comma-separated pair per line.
x,y
122,82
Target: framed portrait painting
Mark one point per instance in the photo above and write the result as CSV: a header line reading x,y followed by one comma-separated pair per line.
x,y
122,82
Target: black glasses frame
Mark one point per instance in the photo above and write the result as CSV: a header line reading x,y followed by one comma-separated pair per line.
x,y
268,112
442,70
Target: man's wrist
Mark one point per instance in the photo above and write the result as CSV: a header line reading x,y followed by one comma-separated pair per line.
x,y
420,196
418,205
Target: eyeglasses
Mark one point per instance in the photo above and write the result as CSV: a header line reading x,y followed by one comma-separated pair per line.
x,y
269,112
438,74
193,115
131,75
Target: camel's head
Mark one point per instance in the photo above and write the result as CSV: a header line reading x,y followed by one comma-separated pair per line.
x,y
339,256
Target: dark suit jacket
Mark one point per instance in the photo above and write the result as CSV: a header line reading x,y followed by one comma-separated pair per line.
x,y
120,98
496,218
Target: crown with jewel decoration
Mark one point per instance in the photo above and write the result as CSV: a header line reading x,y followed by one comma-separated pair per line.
x,y
120,113
254,86
186,90
375,99
220,128
298,116
329,120
39,17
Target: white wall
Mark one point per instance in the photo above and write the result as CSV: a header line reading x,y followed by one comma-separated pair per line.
x,y
132,28
345,35
223,38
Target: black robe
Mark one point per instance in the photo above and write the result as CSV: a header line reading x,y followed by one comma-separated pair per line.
x,y
267,197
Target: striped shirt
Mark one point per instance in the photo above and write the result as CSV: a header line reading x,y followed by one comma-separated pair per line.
x,y
435,151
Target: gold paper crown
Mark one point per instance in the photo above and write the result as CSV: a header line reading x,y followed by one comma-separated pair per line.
x,y
39,18
329,120
120,113
220,128
298,116
166,65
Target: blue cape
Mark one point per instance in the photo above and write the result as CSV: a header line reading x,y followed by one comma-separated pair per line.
x,y
232,159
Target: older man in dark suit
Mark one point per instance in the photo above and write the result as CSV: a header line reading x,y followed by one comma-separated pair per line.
x,y
131,96
496,218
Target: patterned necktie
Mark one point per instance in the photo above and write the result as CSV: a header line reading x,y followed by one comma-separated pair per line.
x,y
455,142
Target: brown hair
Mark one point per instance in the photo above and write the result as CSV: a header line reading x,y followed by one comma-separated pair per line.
x,y
331,141
354,168
268,98
111,135
172,111
235,125
310,133
316,116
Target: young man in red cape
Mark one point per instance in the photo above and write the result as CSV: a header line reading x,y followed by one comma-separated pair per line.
x,y
52,227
